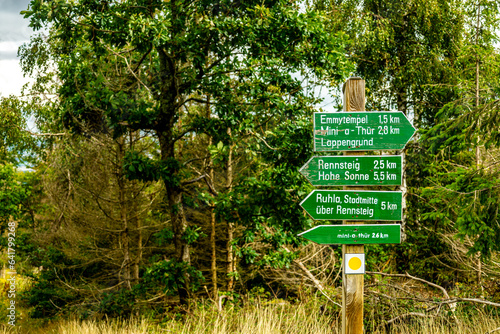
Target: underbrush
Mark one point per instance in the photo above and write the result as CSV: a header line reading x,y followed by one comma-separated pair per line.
x,y
261,317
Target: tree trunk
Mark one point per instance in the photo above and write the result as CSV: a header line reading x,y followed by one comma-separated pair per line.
x,y
478,152
124,236
177,215
213,262
213,265
138,257
133,135
230,226
403,106
139,250
169,101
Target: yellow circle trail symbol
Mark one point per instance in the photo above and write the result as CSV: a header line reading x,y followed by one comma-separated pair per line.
x,y
355,263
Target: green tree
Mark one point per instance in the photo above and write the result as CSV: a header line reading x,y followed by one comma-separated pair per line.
x,y
467,135
437,62
18,145
403,50
147,65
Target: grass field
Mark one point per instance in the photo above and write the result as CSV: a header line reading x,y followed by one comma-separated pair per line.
x,y
263,317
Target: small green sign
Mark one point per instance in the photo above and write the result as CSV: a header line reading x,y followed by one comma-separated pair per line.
x,y
350,170
353,205
361,131
354,234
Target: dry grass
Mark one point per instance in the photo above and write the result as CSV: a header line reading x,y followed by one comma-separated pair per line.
x,y
264,318
482,324
431,327
132,326
270,318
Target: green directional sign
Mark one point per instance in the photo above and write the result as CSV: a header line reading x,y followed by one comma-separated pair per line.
x,y
361,131
353,205
354,234
350,170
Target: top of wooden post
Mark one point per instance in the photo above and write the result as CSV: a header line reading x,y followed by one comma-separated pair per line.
x,y
354,94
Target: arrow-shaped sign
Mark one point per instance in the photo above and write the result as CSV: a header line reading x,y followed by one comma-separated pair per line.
x,y
353,170
354,234
361,131
353,205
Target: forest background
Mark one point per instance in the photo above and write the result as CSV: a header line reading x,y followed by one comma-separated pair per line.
x,y
164,164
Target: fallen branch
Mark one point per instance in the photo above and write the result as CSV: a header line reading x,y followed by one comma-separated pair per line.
x,y
448,300
445,293
406,315
472,300
452,305
316,282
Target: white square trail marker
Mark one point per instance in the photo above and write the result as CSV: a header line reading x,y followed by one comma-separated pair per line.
x,y
354,263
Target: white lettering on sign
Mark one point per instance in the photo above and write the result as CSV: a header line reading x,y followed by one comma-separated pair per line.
x,y
360,200
329,198
344,120
354,211
363,236
328,176
365,130
351,143
356,177
339,165
321,210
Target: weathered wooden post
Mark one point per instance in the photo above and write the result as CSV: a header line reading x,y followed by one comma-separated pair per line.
x,y
355,132
352,285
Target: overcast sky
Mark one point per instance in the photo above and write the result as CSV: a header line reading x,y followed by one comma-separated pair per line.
x,y
14,31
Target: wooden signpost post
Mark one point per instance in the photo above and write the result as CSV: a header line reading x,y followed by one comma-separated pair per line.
x,y
355,131
352,285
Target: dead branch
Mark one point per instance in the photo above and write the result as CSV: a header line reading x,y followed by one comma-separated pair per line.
x,y
316,282
263,140
452,305
448,300
472,300
44,134
406,315
85,290
194,180
445,293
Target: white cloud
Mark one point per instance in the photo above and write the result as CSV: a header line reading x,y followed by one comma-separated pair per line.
x,y
14,27
8,50
14,31
11,77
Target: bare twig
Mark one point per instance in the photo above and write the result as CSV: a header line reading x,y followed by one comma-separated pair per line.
x,y
316,282
263,140
43,134
194,180
406,315
453,305
472,300
451,301
445,293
